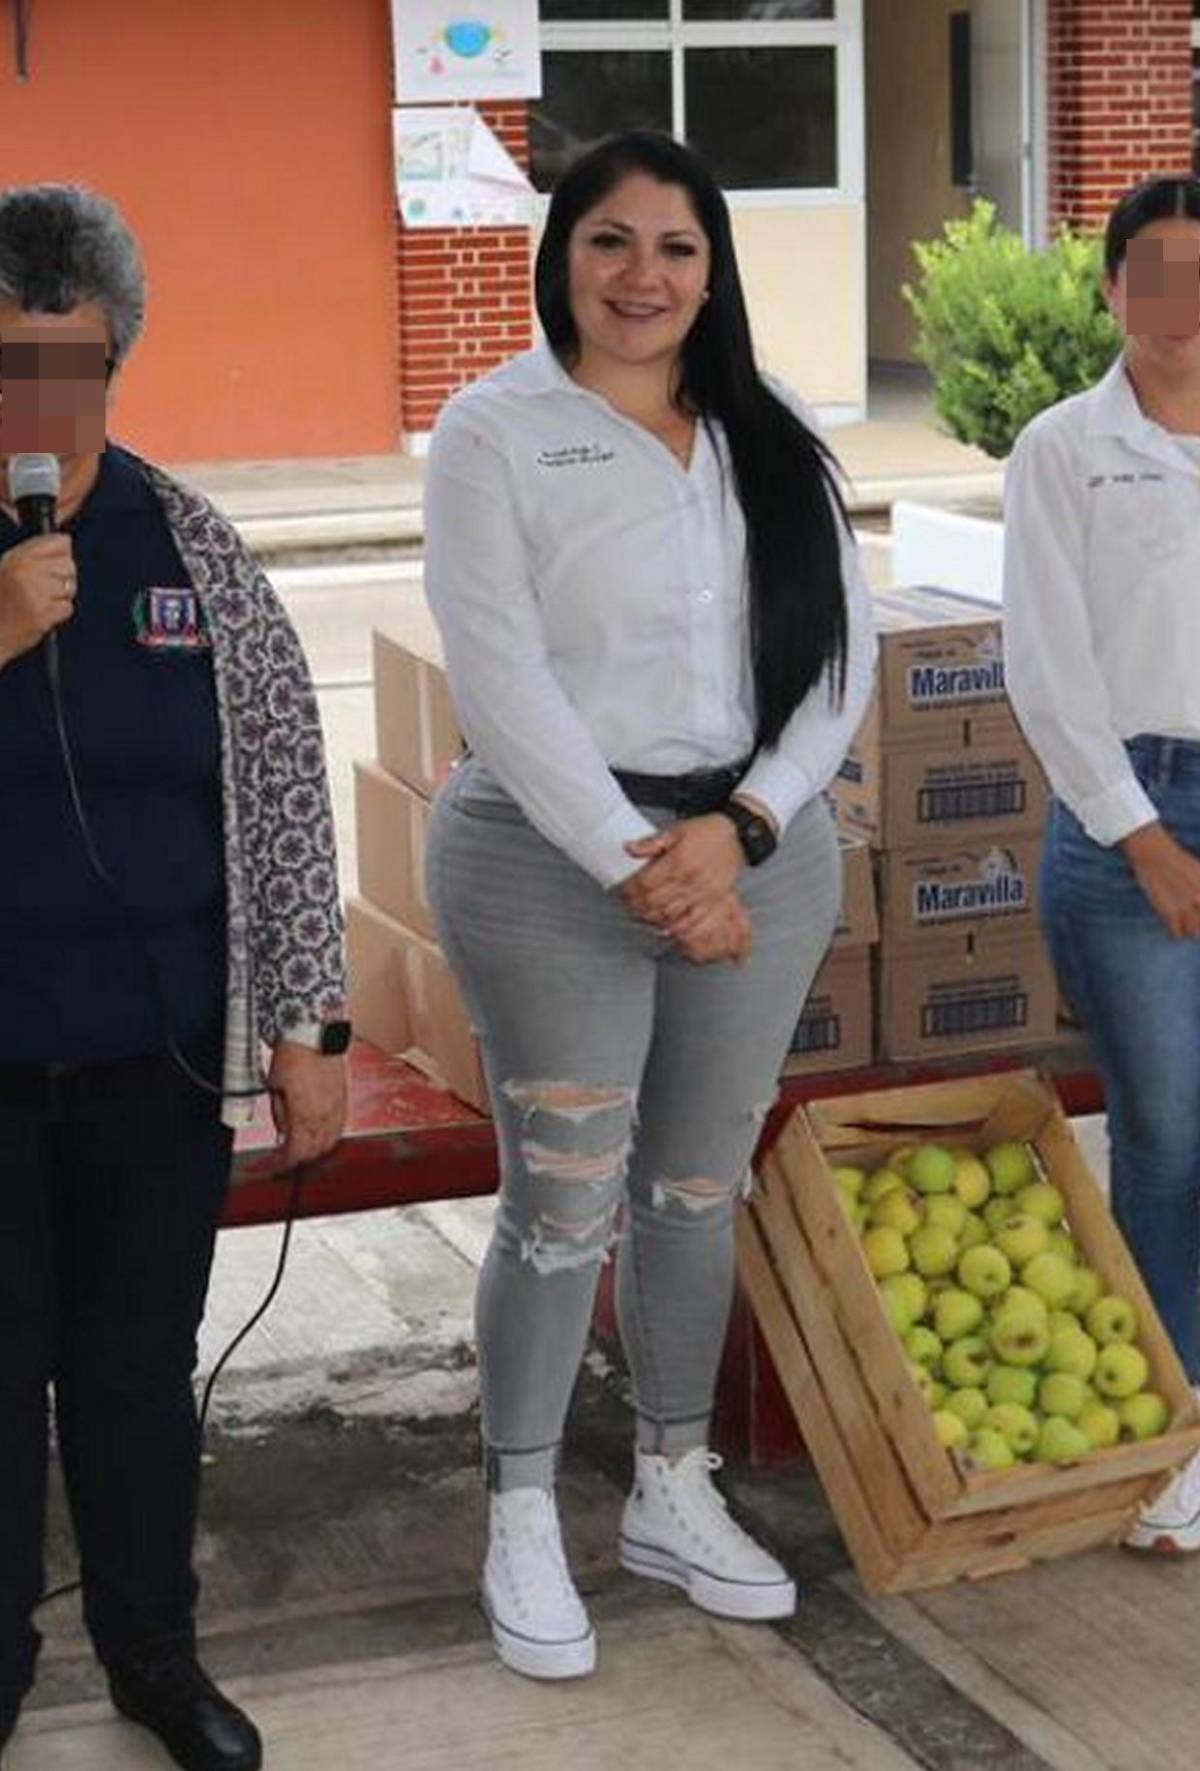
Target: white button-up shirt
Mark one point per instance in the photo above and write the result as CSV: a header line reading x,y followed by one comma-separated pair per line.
x,y
592,598
1102,596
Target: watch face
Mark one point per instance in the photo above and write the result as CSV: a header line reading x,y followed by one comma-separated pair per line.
x,y
758,840
335,1038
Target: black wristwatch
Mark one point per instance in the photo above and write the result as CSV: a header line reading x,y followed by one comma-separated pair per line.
x,y
330,1038
754,832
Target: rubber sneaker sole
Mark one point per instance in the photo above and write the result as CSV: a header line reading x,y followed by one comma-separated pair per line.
x,y
574,1659
1163,1540
745,1601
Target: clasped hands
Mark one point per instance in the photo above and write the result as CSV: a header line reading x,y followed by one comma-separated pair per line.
x,y
688,888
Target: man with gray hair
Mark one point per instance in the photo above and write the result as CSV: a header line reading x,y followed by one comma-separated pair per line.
x,y
168,906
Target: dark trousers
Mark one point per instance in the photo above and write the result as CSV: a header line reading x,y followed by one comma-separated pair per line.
x,y
111,1182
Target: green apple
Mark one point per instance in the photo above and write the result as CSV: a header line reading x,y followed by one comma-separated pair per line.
x,y
973,1233
1041,1200
1089,1287
904,1299
884,1180
1028,1300
1073,1352
972,1182
933,1250
1051,1277
997,1211
850,1180
1012,1383
923,1346
931,1169
1101,1424
950,1428
957,1313
1010,1167
1018,1425
897,1209
1059,1319
1121,1370
1063,1243
947,1210
923,1378
886,1251
1060,1441
988,1448
966,1362
1020,1238
984,1271
969,1403
938,1394
900,1158
1111,1318
1019,1335
1060,1393
1143,1416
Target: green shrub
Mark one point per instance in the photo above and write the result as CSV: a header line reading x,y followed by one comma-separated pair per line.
x,y
1004,331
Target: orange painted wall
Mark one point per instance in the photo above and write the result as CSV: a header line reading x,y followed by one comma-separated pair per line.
x,y
248,143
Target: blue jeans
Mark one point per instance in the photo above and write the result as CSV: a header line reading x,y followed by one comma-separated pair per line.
x,y
618,1071
1136,991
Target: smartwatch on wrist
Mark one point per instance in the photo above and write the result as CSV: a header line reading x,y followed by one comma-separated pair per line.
x,y
330,1038
754,832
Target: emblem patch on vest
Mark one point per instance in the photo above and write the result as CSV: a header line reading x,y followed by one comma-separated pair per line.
x,y
169,620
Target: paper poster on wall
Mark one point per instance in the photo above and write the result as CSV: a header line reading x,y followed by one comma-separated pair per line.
x,y
468,50
452,171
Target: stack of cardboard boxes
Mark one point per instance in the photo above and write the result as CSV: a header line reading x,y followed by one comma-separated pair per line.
x,y
835,1030
403,996
941,783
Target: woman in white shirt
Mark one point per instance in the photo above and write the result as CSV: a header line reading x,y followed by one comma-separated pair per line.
x,y
659,645
1102,647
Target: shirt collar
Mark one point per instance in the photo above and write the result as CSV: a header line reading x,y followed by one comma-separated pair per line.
x,y
1113,411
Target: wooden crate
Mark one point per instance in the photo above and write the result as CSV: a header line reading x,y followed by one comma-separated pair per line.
x,y
911,1514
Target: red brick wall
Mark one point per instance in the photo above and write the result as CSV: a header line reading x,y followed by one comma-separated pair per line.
x,y
465,298
1120,100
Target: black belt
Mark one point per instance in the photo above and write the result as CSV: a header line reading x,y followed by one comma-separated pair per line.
x,y
688,796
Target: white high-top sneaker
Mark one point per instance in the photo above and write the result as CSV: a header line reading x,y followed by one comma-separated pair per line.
x,y
1171,1524
676,1527
538,1621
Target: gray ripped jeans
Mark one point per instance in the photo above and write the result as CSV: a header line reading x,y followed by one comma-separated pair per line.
x,y
617,1068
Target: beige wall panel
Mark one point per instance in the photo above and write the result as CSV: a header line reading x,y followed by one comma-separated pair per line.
x,y
803,270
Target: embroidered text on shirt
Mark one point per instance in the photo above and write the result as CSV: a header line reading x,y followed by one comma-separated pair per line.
x,y
576,455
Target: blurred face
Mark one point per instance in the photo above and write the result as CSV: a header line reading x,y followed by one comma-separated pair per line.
x,y
638,268
1156,296
53,383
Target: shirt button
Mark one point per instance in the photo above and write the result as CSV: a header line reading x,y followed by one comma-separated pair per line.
x,y
704,596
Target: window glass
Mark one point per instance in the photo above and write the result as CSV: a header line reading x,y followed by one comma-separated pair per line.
x,y
764,119
587,94
602,11
772,10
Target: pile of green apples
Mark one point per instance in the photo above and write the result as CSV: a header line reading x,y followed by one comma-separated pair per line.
x,y
1012,1339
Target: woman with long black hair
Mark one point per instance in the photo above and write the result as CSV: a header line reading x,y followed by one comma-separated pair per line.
x,y
659,645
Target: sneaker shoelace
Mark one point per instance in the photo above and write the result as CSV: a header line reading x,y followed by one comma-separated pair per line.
x,y
535,1540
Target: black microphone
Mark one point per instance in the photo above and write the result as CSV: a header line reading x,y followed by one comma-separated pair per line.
x,y
34,483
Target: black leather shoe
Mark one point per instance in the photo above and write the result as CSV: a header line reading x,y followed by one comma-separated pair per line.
x,y
169,1692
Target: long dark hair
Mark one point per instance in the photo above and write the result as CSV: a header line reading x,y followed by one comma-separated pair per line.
x,y
1155,199
784,475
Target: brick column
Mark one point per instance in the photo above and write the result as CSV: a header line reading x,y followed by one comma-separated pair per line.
x,y
466,300
1119,85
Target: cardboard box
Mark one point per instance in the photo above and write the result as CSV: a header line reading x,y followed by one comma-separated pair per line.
x,y
954,886
835,1030
941,659
979,782
967,994
911,1515
391,821
404,999
416,734
858,921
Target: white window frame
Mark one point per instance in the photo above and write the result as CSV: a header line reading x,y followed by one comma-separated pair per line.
x,y
673,34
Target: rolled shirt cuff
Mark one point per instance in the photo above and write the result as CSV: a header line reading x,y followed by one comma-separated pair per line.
x,y
779,786
602,852
1116,813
